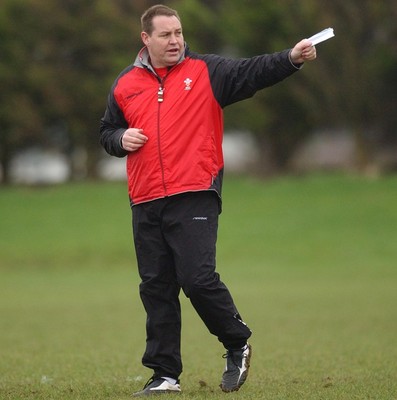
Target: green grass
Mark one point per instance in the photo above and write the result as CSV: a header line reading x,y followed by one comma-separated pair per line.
x,y
311,263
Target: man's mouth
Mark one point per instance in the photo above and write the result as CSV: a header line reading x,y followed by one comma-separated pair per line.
x,y
173,51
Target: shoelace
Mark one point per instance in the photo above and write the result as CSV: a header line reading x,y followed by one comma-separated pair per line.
x,y
231,354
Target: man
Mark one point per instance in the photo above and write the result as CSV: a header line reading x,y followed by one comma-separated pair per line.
x,y
164,113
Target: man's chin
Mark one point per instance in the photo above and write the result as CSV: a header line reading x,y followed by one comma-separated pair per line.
x,y
171,61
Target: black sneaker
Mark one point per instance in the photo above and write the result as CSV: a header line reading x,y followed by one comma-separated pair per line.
x,y
236,371
158,386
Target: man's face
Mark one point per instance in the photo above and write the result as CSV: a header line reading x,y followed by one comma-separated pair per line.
x,y
165,44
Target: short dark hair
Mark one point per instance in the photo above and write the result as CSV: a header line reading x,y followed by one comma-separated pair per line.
x,y
155,11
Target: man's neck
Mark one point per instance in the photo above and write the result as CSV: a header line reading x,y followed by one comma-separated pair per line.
x,y
161,71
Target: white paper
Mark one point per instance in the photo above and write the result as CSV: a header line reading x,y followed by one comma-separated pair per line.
x,y
322,36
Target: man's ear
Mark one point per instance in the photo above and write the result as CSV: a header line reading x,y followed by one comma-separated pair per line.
x,y
145,38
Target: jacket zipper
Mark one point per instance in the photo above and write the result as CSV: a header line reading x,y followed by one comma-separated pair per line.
x,y
160,99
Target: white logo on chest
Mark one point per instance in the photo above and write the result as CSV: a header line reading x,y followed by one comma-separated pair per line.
x,y
187,82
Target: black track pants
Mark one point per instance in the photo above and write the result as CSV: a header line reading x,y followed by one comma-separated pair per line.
x,y
175,242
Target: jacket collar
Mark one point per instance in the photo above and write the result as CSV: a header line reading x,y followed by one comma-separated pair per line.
x,y
142,59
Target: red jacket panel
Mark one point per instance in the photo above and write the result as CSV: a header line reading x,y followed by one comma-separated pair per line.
x,y
185,130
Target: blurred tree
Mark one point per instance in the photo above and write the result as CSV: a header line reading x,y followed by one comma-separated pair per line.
x,y
350,84
20,117
58,60
359,73
351,81
201,26
278,116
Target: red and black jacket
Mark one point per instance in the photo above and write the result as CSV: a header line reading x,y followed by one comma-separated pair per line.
x,y
183,118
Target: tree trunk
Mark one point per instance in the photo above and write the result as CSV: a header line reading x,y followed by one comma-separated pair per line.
x,y
5,158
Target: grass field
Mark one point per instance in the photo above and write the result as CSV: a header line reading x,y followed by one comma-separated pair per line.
x,y
311,263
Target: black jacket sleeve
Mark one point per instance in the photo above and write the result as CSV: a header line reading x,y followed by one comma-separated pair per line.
x,y
112,128
234,80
